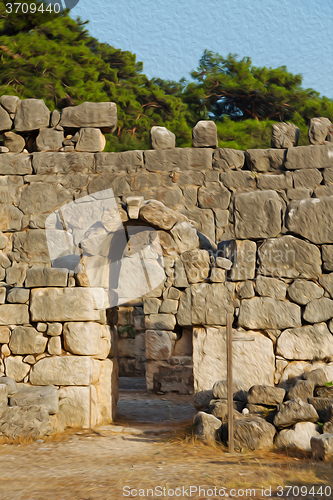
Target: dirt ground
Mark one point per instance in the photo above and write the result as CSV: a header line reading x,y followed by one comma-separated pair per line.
x,y
139,454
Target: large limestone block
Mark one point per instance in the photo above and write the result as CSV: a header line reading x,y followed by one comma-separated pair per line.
x,y
10,218
41,197
162,138
204,134
313,342
243,256
193,309
14,314
78,406
90,114
239,392
258,214
309,178
32,114
184,159
225,159
262,313
289,257
32,246
299,436
127,161
18,295
47,397
253,361
275,182
309,157
49,139
265,160
15,164
27,340
158,344
318,310
39,276
302,292
294,411
253,434
63,304
284,135
311,218
87,338
196,264
239,180
207,427
319,130
271,287
107,391
65,370
15,368
14,142
265,395
91,140
213,195
62,163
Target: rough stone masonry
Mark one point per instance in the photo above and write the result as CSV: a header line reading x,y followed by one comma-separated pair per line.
x,y
248,232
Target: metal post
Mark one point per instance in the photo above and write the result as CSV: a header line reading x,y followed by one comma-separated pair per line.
x,y
230,391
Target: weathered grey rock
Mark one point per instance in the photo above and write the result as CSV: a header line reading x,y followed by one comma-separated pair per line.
x,y
275,182
158,344
129,161
225,159
265,395
258,214
307,342
11,385
309,157
204,134
243,256
309,178
318,310
160,322
10,103
299,436
302,292
32,114
91,140
90,114
219,408
18,296
303,389
87,338
55,118
245,290
14,314
14,142
40,276
15,368
65,370
193,308
322,447
323,407
326,281
318,130
162,138
253,434
327,255
182,159
15,164
27,340
201,399
213,195
238,180
24,422
253,362
289,257
196,264
271,287
207,427
311,219
298,193
49,139
62,163
265,160
46,397
220,390
5,121
62,304
294,411
185,236
284,135
262,313
159,215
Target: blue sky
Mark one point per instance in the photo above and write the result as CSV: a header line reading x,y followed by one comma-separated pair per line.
x,y
170,36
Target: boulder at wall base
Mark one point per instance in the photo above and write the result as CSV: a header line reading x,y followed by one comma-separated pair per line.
x,y
253,433
322,447
24,422
303,389
265,395
299,436
220,390
207,427
292,412
202,399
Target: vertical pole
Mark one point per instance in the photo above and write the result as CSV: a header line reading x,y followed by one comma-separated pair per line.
x,y
229,378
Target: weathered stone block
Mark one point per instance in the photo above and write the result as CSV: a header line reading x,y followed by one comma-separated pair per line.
x,y
185,236
10,218
318,130
62,304
258,214
318,310
309,178
289,257
127,161
159,215
14,314
303,389
299,193
15,164
65,370
243,256
167,160
196,264
18,296
151,305
64,163
87,338
39,276
327,256
90,114
245,290
299,436
27,340
322,447
238,180
49,139
309,157
262,313
158,344
91,140
15,368
275,182
213,195
47,397
294,411
271,287
225,159
78,406
54,346
253,434
14,142
30,422
10,103
160,322
307,342
239,392
311,219
4,334
284,135
265,160
32,114
207,427
204,134
162,138
302,292
326,281
169,306
253,362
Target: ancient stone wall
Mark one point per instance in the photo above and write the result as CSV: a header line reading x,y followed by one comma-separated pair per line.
x,y
246,232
